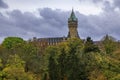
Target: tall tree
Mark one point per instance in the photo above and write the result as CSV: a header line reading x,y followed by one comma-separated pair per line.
x,y
14,69
62,64
109,44
52,63
90,46
11,42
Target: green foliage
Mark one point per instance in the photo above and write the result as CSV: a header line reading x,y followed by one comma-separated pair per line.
x,y
11,42
90,46
28,53
62,66
53,69
109,44
14,69
32,58
70,60
73,64
66,65
1,65
74,44
110,67
52,63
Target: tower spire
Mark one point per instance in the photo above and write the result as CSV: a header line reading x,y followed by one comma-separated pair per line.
x,y
72,16
72,25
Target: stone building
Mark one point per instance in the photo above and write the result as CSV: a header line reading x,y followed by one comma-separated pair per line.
x,y
73,33
73,25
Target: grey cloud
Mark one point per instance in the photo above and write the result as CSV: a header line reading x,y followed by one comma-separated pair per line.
x,y
8,27
28,25
55,17
3,4
94,1
53,23
106,23
116,3
108,7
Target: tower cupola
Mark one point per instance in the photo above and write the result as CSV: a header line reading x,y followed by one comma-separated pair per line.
x,y
72,25
72,17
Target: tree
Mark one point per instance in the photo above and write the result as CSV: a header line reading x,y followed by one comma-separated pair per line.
x,y
13,44
65,64
4,54
90,46
53,67
109,44
2,75
27,52
14,69
62,64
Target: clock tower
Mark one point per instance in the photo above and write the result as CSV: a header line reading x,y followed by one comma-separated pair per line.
x,y
73,25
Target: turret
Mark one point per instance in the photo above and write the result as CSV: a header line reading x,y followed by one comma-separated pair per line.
x,y
72,25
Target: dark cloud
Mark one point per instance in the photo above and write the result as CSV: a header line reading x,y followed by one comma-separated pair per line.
x,y
106,23
3,4
94,1
53,23
108,7
116,3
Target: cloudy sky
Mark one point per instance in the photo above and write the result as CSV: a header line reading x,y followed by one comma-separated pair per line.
x,y
48,18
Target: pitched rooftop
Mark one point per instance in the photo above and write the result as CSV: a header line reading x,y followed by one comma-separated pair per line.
x,y
72,16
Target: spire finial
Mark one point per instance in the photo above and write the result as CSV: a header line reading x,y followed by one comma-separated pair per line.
x,y
72,16
72,9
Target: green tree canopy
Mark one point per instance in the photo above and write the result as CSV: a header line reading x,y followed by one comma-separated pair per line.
x,y
11,42
90,46
109,44
14,69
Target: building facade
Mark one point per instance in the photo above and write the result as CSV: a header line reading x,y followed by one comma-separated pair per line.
x,y
73,25
73,33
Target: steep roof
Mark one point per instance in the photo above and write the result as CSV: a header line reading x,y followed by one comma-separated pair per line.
x,y
72,16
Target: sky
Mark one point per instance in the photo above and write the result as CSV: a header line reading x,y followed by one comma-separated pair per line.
x,y
49,18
